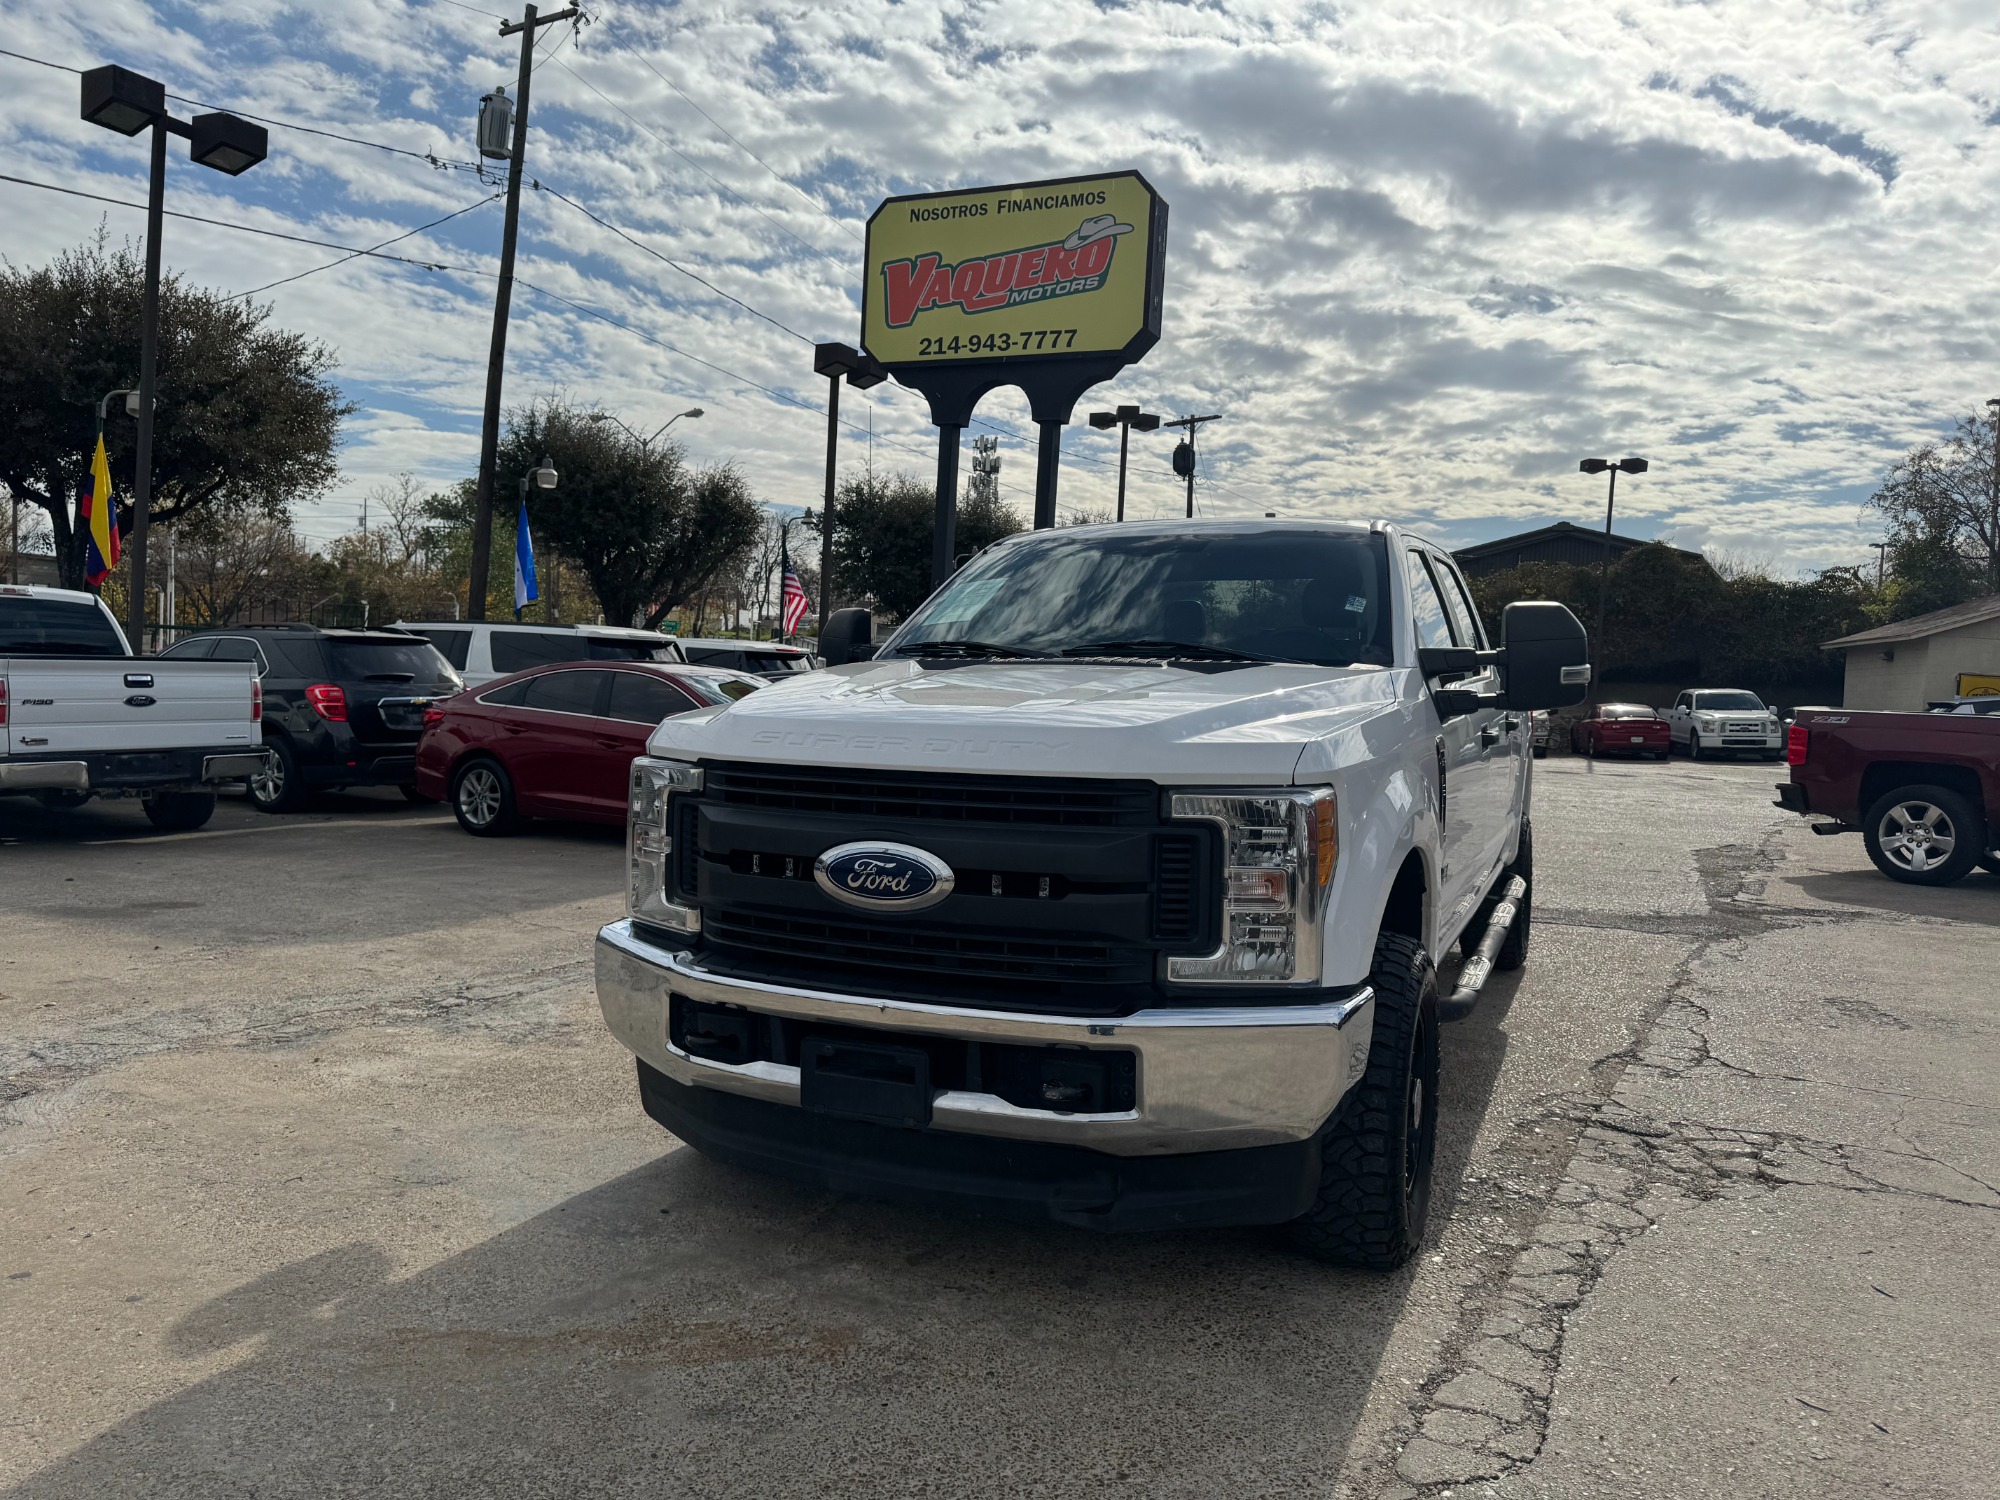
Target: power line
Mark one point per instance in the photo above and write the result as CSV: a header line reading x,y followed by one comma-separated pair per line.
x,y
332,135
669,260
372,249
428,265
644,61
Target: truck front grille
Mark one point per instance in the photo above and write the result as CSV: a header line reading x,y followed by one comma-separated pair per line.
x,y
872,795
830,952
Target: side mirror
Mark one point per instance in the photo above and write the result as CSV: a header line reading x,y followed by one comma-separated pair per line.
x,y
848,635
1547,656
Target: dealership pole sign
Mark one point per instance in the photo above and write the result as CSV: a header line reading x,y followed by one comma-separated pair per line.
x,y
1053,287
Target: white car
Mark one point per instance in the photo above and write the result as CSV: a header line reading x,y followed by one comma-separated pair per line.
x,y
1724,721
1107,890
764,658
484,650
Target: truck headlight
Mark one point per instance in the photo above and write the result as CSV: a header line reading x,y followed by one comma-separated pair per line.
x,y
1280,849
649,843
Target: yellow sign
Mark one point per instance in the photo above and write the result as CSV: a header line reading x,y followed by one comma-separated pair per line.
x,y
1978,685
1034,271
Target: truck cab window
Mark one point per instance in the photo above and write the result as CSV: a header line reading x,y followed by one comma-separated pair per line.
x,y
1426,607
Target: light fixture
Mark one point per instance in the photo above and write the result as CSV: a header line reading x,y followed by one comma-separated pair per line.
x,y
227,143
544,478
121,100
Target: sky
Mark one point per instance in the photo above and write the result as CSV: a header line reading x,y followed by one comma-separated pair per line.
x,y
1422,257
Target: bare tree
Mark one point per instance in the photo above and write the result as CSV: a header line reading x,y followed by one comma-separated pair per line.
x,y
223,571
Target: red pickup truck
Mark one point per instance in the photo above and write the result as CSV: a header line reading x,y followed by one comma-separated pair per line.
x,y
1923,790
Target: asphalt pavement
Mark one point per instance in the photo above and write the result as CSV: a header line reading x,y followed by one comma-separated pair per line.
x,y
319,1176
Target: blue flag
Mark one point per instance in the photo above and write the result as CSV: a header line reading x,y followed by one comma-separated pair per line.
x,y
525,592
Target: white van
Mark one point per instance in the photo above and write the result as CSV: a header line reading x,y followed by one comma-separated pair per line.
x,y
483,650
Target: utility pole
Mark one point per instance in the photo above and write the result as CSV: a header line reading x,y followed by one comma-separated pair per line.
x,y
489,434
1881,556
1993,501
1184,453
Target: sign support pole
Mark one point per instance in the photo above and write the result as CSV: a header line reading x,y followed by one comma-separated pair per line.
x,y
1048,460
944,535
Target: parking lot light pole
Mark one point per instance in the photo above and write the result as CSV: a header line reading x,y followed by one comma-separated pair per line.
x,y
1603,466
833,360
1125,418
646,443
128,102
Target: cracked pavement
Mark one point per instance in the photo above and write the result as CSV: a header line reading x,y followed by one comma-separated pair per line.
x,y
320,1177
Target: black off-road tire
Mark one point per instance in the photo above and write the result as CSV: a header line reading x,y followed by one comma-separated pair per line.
x,y
482,798
180,812
281,791
1694,745
1375,1173
1955,818
1513,953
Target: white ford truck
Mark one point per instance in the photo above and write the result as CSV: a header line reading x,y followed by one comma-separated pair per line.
x,y
81,717
1107,890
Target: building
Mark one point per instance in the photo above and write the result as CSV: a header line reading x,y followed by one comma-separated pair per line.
x,y
1564,542
1920,661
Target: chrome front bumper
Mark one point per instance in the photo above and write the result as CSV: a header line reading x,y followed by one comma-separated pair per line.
x,y
1209,1079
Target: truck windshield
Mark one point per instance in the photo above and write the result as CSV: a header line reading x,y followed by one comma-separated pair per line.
x,y
56,627
1264,594
1730,703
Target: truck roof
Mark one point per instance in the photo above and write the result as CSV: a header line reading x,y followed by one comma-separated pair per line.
x,y
44,591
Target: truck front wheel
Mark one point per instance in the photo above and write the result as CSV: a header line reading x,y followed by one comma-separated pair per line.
x,y
1375,1174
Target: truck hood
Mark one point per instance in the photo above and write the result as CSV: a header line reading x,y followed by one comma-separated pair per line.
x,y
1244,726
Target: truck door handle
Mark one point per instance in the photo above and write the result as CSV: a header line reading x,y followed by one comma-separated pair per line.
x,y
1490,735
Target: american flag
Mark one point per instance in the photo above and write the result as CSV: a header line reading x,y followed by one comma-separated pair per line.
x,y
793,602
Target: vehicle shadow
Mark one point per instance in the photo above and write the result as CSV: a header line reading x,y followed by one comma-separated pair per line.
x,y
1975,899
692,1329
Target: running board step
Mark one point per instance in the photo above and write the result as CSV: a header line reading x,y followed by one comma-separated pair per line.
x,y
1479,968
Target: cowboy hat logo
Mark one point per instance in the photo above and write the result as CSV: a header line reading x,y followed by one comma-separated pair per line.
x,y
1092,230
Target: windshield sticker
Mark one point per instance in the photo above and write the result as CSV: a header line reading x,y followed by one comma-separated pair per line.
x,y
1356,604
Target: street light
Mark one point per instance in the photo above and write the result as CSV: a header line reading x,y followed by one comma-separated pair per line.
x,y
127,102
1124,419
1602,466
833,360
646,443
544,477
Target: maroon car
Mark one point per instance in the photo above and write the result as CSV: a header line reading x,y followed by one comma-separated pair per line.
x,y
557,741
1923,790
1620,729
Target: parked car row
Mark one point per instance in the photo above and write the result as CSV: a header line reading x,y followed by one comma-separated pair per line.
x,y
1704,723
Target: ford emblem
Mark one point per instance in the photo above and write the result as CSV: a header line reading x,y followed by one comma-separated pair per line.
x,y
883,877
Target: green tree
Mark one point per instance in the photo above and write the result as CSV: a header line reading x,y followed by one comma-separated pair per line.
x,y
883,525
648,530
1941,505
245,424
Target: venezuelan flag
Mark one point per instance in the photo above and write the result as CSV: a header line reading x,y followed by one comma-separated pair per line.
x,y
97,516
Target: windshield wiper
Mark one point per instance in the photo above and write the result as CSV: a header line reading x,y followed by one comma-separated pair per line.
x,y
958,648
1165,651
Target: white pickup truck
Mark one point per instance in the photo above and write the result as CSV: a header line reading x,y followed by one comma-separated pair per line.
x,y
81,717
1109,890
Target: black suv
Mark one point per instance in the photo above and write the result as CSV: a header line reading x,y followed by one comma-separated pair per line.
x,y
341,707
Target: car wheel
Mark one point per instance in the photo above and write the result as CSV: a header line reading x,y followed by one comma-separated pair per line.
x,y
1923,835
1694,746
1541,752
1375,1166
277,789
482,798
178,812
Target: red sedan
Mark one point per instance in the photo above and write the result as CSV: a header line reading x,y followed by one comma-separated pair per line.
x,y
1620,729
557,741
